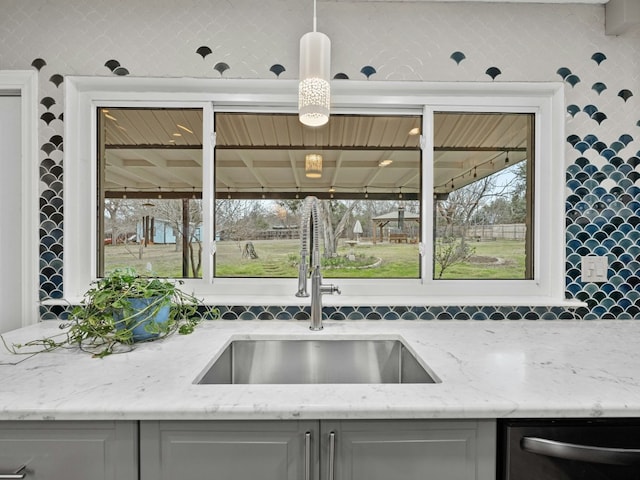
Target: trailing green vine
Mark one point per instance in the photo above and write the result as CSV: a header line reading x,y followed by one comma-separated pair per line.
x,y
105,320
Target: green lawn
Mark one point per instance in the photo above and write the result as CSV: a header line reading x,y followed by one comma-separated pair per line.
x,y
277,258
509,265
161,260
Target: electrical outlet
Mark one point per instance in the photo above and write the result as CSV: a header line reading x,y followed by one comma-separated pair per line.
x,y
594,268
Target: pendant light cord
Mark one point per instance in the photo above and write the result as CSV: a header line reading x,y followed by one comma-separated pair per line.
x,y
314,15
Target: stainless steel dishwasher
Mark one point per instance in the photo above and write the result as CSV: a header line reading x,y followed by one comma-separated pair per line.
x,y
569,449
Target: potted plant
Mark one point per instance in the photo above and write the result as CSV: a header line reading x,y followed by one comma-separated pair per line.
x,y
123,308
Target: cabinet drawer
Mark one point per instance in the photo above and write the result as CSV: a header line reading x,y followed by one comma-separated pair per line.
x,y
408,449
51,450
224,450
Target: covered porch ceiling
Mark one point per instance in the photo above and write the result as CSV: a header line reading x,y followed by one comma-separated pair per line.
x,y
153,151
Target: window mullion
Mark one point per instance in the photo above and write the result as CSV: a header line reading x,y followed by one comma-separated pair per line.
x,y
427,220
208,190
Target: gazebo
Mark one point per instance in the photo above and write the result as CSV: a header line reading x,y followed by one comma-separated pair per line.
x,y
398,234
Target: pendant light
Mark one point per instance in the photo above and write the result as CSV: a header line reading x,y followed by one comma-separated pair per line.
x,y
314,91
313,165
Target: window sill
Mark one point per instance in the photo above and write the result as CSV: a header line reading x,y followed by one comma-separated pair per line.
x,y
362,300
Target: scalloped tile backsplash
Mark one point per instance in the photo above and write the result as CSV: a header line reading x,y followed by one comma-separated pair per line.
x,y
376,41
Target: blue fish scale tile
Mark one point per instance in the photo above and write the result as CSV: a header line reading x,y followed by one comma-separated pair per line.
x,y
337,315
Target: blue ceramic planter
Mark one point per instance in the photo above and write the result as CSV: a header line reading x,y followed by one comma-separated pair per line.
x,y
142,318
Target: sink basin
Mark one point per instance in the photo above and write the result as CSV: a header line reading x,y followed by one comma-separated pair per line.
x,y
286,361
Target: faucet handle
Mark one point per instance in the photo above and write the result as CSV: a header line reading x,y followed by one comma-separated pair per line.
x,y
330,288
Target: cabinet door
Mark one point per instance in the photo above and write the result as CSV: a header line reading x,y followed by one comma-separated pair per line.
x,y
408,450
70,450
228,450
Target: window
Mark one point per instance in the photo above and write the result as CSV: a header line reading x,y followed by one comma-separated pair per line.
x,y
259,181
149,190
365,169
483,196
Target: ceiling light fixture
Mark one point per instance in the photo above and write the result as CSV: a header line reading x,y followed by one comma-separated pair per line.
x,y
182,127
385,163
314,91
414,131
313,165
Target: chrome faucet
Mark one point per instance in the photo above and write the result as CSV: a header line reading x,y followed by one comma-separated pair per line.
x,y
310,225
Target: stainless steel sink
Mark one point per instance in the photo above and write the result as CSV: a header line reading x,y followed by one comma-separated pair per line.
x,y
285,361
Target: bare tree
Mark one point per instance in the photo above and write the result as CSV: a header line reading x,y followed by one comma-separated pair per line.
x,y
456,213
112,208
291,206
335,217
120,217
450,251
172,212
239,220
452,222
507,203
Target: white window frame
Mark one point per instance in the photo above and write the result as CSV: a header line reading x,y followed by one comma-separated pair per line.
x,y
85,94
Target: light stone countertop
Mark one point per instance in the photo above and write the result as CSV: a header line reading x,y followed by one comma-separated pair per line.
x,y
489,369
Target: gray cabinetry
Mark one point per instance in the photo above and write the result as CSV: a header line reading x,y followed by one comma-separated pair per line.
x,y
324,450
82,450
225,450
409,450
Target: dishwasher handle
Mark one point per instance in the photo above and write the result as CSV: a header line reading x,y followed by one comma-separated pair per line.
x,y
20,472
581,453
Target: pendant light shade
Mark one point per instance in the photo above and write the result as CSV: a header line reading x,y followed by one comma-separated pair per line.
x,y
313,165
314,91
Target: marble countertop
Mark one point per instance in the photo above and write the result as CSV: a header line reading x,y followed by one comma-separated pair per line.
x,y
489,369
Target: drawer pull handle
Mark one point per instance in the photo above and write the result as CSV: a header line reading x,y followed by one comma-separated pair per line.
x,y
332,455
21,472
307,456
581,453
